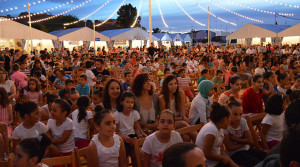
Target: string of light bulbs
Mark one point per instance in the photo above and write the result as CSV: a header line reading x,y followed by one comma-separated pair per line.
x,y
260,10
235,13
219,18
201,24
62,13
16,7
41,12
97,10
137,14
161,15
97,25
283,4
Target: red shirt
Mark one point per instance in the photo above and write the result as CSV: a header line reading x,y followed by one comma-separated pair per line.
x,y
252,102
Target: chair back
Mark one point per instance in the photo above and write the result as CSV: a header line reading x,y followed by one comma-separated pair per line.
x,y
64,160
137,144
254,124
7,163
81,153
190,129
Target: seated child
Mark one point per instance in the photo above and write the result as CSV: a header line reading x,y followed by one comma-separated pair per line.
x,y
83,88
64,93
204,74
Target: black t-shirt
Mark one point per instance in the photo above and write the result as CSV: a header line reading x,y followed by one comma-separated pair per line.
x,y
100,74
151,50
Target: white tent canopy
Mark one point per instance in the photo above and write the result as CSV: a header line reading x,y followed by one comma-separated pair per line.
x,y
14,30
292,31
126,34
78,34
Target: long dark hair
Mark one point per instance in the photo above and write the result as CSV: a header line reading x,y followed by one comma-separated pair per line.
x,y
83,103
106,98
138,83
4,101
165,92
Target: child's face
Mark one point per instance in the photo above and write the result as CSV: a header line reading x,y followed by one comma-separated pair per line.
x,y
260,64
236,86
225,122
34,116
172,86
128,103
82,81
57,113
182,74
128,78
166,123
22,159
272,79
297,82
259,83
69,86
204,75
285,81
96,99
220,75
32,85
236,114
107,126
177,68
23,66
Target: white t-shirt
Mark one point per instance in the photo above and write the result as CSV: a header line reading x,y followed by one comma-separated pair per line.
x,y
276,130
108,157
90,75
156,148
211,129
22,133
126,123
259,71
81,129
198,109
238,132
58,131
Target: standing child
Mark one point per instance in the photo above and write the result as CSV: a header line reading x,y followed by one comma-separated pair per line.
x,y
127,120
18,77
127,82
106,148
33,91
82,120
83,88
272,124
158,142
61,127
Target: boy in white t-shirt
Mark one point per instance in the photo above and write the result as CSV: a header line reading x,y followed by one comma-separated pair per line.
x,y
91,79
283,79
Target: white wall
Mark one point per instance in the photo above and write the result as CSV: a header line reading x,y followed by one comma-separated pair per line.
x,y
99,44
291,40
4,42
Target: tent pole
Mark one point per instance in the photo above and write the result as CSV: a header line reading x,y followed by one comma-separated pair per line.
x,y
94,31
208,33
29,16
141,33
150,23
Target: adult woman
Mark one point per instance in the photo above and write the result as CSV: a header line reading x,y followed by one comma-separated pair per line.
x,y
30,152
235,87
8,85
37,65
174,99
201,103
149,108
112,92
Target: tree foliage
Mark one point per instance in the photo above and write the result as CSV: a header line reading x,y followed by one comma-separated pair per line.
x,y
156,30
127,14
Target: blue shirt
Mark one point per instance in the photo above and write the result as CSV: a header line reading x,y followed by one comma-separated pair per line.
x,y
125,86
265,97
85,90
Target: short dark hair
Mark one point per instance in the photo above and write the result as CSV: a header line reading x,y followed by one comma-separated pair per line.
x,y
268,74
292,114
204,71
290,147
100,60
180,70
219,72
174,155
68,81
274,105
126,73
83,76
234,69
16,67
281,77
88,64
256,77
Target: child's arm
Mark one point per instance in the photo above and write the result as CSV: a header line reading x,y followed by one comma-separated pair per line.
x,y
40,99
26,98
147,158
10,112
264,130
126,139
122,155
92,155
15,143
182,107
64,138
246,140
229,146
137,129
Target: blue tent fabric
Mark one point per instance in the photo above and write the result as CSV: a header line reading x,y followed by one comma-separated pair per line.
x,y
112,33
272,27
172,36
159,35
60,33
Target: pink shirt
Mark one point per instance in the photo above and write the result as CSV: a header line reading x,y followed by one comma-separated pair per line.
x,y
228,75
19,77
33,96
184,82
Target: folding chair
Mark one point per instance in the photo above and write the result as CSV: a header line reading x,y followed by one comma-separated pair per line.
x,y
81,153
190,129
8,163
254,124
137,144
64,160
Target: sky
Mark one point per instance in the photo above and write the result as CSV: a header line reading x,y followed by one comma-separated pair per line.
x,y
175,18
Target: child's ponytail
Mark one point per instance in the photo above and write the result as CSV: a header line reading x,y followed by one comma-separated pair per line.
x,y
83,103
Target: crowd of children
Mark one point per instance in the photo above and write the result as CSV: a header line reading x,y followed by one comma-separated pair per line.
x,y
54,102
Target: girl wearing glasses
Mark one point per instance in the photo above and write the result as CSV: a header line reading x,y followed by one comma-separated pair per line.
x,y
158,142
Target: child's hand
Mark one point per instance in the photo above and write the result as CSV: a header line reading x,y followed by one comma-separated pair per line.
x,y
127,139
143,135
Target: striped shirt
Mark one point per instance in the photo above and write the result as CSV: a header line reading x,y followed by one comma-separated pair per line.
x,y
184,82
4,114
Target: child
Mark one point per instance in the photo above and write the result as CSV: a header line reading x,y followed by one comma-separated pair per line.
x,y
210,138
229,74
64,93
296,85
234,89
82,120
61,127
91,79
23,68
30,127
97,98
45,109
106,148
204,74
175,72
260,68
32,91
127,120
218,81
83,88
183,82
283,79
59,82
237,138
272,124
252,101
127,82
166,72
269,88
18,77
159,141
